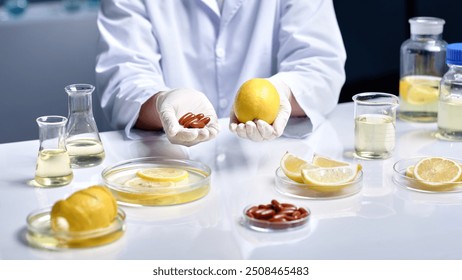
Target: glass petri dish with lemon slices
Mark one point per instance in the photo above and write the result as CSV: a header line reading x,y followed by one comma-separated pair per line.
x,y
156,181
429,174
322,178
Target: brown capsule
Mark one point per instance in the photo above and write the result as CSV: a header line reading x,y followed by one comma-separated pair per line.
x,y
279,216
196,124
264,214
290,218
262,206
303,215
302,210
278,208
288,205
205,120
184,117
199,116
252,209
277,220
296,214
286,211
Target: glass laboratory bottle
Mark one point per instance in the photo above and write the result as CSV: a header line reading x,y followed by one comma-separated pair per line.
x,y
82,138
450,99
53,163
422,64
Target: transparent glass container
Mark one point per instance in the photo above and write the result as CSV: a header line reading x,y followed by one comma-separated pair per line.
x,y
53,167
82,137
422,64
450,98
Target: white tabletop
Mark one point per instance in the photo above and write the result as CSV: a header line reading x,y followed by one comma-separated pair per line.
x,y
382,221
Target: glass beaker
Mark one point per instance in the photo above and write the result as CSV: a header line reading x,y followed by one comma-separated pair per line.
x,y
82,138
53,164
375,119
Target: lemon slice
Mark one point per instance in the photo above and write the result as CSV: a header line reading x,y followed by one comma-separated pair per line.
x,y
330,177
163,174
420,94
291,165
437,171
140,183
410,171
326,162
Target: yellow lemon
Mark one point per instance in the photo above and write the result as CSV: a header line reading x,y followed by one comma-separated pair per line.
x,y
87,209
437,171
257,99
292,166
330,176
163,174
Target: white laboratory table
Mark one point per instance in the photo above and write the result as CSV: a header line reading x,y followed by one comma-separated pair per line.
x,y
382,221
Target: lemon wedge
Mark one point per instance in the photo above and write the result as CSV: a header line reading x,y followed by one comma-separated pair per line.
x,y
163,174
410,171
325,162
330,177
437,171
291,165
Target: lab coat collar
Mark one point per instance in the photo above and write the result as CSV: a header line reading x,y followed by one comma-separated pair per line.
x,y
230,7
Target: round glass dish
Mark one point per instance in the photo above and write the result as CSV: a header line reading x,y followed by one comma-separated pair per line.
x,y
40,235
400,178
196,186
267,226
289,187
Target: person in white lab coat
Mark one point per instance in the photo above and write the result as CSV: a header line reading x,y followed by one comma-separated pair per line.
x,y
160,59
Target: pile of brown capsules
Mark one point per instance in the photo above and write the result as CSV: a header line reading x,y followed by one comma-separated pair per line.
x,y
277,212
190,120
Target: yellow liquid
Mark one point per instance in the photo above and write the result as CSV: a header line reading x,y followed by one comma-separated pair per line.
x,y
53,168
419,98
374,136
85,152
450,119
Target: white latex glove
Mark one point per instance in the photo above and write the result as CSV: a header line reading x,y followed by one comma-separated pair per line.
x,y
260,130
172,105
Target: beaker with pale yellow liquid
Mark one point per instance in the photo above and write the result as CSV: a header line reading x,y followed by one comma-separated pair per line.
x,y
375,120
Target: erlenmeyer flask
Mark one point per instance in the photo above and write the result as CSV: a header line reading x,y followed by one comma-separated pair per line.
x,y
82,138
53,165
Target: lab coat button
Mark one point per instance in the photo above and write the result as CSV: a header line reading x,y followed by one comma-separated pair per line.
x,y
223,103
220,53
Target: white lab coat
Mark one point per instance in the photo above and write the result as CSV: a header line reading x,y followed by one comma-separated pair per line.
x,y
156,45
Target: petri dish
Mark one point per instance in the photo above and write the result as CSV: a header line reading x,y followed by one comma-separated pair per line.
x,y
40,235
267,226
289,187
194,187
400,178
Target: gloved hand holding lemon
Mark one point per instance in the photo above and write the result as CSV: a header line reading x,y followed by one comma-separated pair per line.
x,y
260,111
87,209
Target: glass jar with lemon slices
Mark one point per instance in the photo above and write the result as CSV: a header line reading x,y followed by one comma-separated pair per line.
x,y
422,64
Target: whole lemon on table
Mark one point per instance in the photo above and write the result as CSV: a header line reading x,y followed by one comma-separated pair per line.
x,y
87,209
257,99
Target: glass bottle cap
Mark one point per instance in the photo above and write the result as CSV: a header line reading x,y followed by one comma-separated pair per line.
x,y
454,54
426,25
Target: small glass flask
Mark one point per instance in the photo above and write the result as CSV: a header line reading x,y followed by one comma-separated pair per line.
x,y
82,138
422,64
53,163
450,99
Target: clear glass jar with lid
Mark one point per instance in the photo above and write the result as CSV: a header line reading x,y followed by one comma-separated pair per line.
x,y
82,137
422,64
450,98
